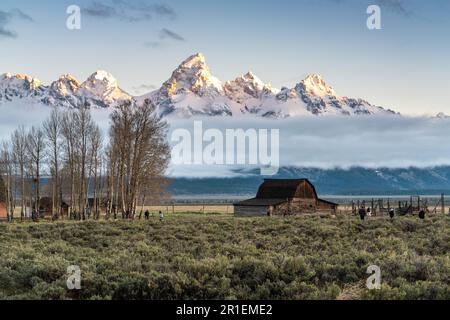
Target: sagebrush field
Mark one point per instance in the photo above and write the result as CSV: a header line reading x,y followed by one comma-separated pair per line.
x,y
222,257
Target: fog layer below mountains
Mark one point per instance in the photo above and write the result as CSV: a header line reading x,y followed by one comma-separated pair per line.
x,y
340,142
319,142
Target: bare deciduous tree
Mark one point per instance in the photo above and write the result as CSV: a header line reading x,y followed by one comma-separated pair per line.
x,y
6,173
138,153
35,149
53,134
19,148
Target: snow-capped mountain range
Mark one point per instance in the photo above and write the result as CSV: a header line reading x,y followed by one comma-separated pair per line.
x,y
191,91
99,90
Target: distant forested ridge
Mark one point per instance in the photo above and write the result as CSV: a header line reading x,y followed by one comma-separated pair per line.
x,y
353,181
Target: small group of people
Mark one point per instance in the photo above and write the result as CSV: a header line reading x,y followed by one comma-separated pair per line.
x,y
363,212
147,215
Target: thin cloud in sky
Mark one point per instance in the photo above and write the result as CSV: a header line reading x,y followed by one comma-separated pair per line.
x,y
395,6
100,10
135,11
129,11
7,18
164,36
168,34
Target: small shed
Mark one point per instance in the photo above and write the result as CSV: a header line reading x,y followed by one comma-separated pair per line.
x,y
46,206
284,197
3,211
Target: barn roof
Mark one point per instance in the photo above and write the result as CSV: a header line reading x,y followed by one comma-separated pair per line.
x,y
277,191
281,188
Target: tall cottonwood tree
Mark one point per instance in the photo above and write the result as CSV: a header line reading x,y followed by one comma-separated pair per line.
x,y
83,145
53,134
138,154
95,167
5,178
6,175
35,150
69,135
85,128
19,150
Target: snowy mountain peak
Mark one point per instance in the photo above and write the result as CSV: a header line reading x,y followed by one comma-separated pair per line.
x,y
250,77
103,89
247,86
68,77
100,81
20,81
65,85
195,60
314,84
192,75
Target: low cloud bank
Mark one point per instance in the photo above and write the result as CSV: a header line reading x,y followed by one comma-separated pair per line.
x,y
24,114
344,142
319,142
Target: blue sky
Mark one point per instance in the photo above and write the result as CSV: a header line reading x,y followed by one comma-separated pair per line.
x,y
404,66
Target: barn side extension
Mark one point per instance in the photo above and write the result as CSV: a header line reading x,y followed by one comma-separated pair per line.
x,y
284,197
3,212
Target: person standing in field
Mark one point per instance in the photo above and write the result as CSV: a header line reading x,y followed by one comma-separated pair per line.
x,y
362,213
422,214
147,215
391,214
34,216
161,216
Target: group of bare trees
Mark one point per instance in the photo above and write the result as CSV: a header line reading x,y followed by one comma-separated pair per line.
x,y
81,169
138,155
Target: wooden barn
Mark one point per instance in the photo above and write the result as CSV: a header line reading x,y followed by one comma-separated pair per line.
x,y
46,207
284,197
3,212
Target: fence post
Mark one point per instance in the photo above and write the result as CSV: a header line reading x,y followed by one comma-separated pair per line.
x,y
443,203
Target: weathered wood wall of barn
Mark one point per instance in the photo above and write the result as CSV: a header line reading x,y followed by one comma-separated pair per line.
x,y
296,206
251,211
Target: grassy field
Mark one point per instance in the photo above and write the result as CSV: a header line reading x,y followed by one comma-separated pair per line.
x,y
221,257
192,208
